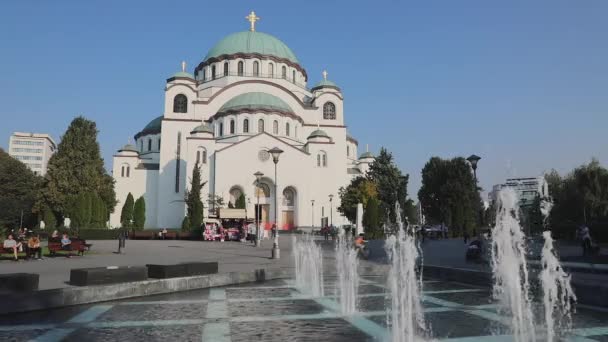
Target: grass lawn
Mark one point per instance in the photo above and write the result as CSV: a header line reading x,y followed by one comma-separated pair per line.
x,y
45,253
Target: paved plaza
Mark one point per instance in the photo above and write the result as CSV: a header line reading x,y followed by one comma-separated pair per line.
x,y
276,311
231,257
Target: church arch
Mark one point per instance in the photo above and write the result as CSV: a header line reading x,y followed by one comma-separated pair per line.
x,y
213,75
256,68
232,126
225,68
221,129
287,129
329,111
275,127
201,155
261,126
180,103
271,70
125,170
284,72
322,159
289,207
293,76
241,68
246,126
149,144
235,192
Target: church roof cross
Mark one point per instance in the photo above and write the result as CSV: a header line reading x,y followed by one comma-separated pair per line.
x,y
324,73
252,18
183,66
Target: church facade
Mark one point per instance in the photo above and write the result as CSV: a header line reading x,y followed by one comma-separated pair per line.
x,y
249,94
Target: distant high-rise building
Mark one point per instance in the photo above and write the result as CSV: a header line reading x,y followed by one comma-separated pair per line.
x,y
527,189
33,149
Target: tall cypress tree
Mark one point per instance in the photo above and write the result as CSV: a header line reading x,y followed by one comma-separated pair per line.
x,y
126,216
193,199
139,213
76,168
240,202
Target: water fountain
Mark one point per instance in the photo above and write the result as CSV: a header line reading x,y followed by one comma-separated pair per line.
x,y
509,266
309,265
406,316
557,291
348,277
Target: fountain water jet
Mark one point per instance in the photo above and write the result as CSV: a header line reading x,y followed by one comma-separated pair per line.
x,y
348,278
509,266
407,317
309,265
557,291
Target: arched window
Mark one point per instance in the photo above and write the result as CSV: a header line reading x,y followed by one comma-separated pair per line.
x,y
180,104
241,67
271,70
125,171
149,144
231,126
295,131
275,127
347,151
213,72
329,111
284,72
141,145
287,129
293,76
204,74
225,68
201,155
261,126
158,144
262,190
322,159
256,68
246,126
221,132
289,197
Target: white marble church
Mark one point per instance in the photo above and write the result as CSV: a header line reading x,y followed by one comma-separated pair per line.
x,y
248,95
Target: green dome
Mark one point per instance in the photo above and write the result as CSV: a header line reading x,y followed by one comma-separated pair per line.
x,y
183,74
153,127
325,83
203,128
128,148
255,101
366,155
318,133
251,42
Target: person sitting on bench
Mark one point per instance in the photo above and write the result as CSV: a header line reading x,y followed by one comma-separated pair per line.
x,y
33,245
11,244
66,244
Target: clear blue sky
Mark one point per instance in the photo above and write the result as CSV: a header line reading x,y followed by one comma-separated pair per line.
x,y
523,84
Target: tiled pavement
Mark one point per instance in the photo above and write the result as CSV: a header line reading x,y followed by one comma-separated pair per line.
x,y
276,311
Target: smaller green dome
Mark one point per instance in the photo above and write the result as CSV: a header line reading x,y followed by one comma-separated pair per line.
x,y
318,134
325,83
256,101
183,74
203,128
128,148
366,155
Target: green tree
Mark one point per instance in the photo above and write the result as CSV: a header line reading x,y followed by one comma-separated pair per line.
x,y
18,189
49,219
126,215
410,212
76,168
360,190
79,211
193,199
97,204
391,184
186,224
371,219
240,202
449,194
139,213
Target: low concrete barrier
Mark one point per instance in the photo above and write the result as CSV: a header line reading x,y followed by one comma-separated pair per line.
x,y
55,298
182,270
107,275
19,282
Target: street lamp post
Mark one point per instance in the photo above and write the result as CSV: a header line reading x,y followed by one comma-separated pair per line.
x,y
276,252
313,212
258,177
473,159
331,211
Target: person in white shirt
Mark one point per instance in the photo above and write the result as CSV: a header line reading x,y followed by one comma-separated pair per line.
x,y
11,244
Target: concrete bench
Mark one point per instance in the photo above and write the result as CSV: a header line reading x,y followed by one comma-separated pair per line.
x,y
188,269
107,275
19,282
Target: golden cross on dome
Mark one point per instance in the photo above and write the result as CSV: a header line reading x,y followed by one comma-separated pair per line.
x,y
183,66
324,73
252,18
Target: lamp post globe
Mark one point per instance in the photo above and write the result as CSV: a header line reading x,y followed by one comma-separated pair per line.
x,y
473,159
258,178
275,152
